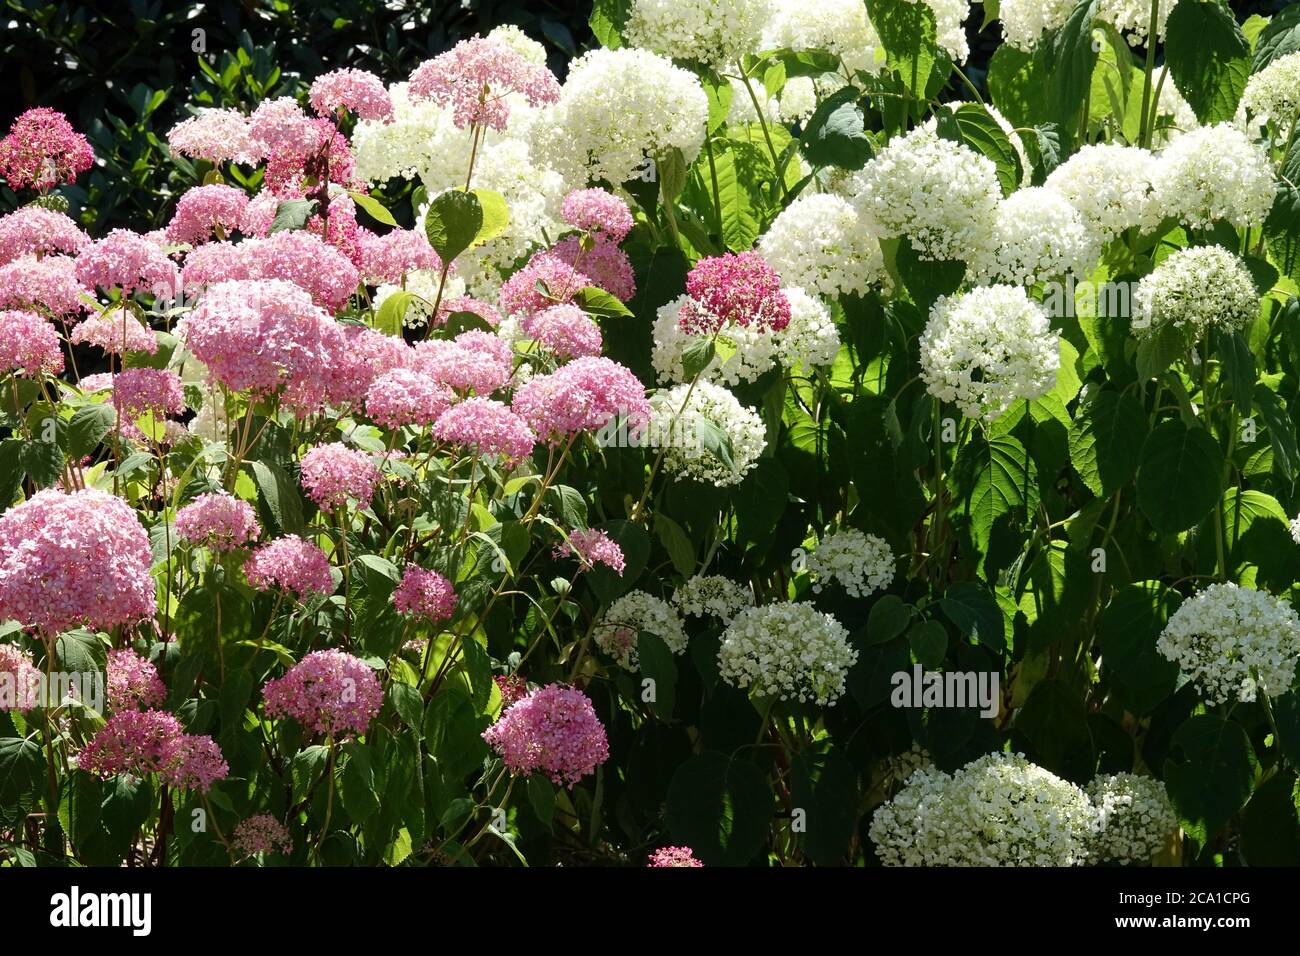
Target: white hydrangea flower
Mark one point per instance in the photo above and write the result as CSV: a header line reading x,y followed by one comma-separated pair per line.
x,y
798,99
938,193
714,32
950,25
1196,289
1215,172
1273,94
1037,235
1134,818
820,243
1111,186
999,810
788,650
811,339
1234,641
1174,115
681,422
619,627
712,595
617,108
840,27
209,424
519,41
400,148
1134,17
424,283
858,562
742,112
898,769
1025,21
988,348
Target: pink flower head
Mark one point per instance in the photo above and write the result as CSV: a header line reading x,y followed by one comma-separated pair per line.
x,y
335,474
214,262
520,294
555,730
565,330
259,214
488,426
360,92
583,395
262,833
156,391
20,687
605,264
73,559
204,211
217,135
475,360
365,354
35,230
291,564
339,228
116,331
592,547
327,692
315,154
133,682
476,76
406,397
29,345
280,124
195,764
128,261
513,688
50,283
674,856
261,335
43,150
219,521
463,303
389,257
300,257
598,211
425,594
740,289
141,742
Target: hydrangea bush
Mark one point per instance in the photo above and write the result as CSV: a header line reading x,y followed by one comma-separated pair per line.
x,y
765,367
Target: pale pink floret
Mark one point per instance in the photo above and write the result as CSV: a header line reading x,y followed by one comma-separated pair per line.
x,y
475,361
737,289
19,680
73,559
406,397
259,214
313,151
155,391
425,594
555,730
116,331
43,150
291,564
476,76
262,833
151,741
205,211
583,395
50,283
217,135
133,682
334,475
307,261
520,294
358,91
592,547
389,257
487,426
213,262
280,122
598,211
365,355
605,265
463,303
128,261
219,521
565,330
29,345
328,692
674,856
37,231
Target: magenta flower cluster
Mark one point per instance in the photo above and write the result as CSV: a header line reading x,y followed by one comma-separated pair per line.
x,y
592,547
425,594
142,742
335,474
328,692
737,289
42,150
219,521
132,682
555,730
476,77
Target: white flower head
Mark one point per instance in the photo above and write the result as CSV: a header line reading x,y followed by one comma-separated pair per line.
x,y
789,651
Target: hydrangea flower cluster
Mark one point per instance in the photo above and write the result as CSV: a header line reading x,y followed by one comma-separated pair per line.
x,y
20,680
674,856
820,243
488,427
592,547
476,78
714,32
688,419
291,564
712,595
734,289
133,682
790,651
219,521
860,563
1215,172
1195,290
1036,236
355,91
1111,186
1134,818
152,391
29,345
36,231
425,594
261,833
1273,94
583,395
628,617
335,474
42,150
328,692
143,742
555,730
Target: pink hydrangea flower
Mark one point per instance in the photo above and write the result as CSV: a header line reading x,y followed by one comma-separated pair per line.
x,y
217,135
365,355
128,261
565,330
72,559
476,76
513,688
339,229
327,692
553,729
592,547
133,682
35,230
598,211
335,474
674,856
214,262
116,331
20,687
291,564
463,303
279,123
736,288
583,395
318,152
50,283
475,361
156,391
43,150
487,426
195,764
307,261
425,594
406,397
204,211
388,257
360,92
219,520
151,741
520,295
29,345
605,264
261,833
259,214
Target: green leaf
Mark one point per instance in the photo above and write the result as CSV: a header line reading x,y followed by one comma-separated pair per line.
x,y
888,618
1209,773
658,664
1159,349
1105,440
1270,825
409,706
541,795
87,429
306,768
1057,592
716,441
975,611
81,652
22,772
1072,58
1281,432
1238,367
1054,723
721,807
42,461
373,207
1178,476
292,214
453,222
1209,59
739,194
825,787
981,132
1279,38
496,216
835,135
600,303
681,552
279,495
929,643
907,32
357,788
992,479
608,19
697,356
389,317
760,500
1127,630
